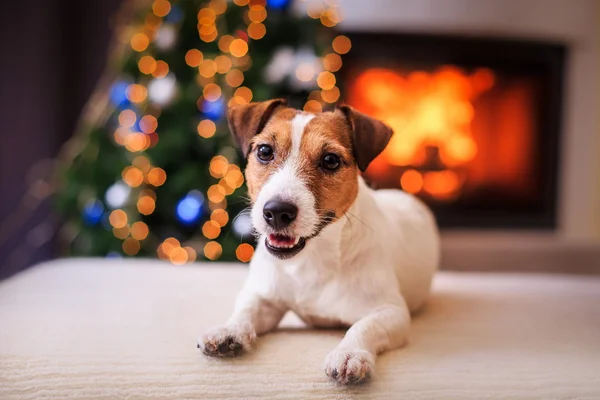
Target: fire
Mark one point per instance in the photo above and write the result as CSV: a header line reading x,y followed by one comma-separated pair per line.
x,y
431,115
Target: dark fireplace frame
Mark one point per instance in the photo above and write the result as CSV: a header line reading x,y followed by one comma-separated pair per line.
x,y
544,59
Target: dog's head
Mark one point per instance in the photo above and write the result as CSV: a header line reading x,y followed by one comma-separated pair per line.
x,y
303,168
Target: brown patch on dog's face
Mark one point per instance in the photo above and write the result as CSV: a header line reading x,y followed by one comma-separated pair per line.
x,y
334,190
277,133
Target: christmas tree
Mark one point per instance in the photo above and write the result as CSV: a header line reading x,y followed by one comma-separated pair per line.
x,y
152,170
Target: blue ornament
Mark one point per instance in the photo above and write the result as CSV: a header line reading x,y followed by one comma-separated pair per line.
x,y
277,4
214,109
175,15
189,208
118,93
92,212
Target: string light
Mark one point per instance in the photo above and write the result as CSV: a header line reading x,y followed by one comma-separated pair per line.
x,y
157,177
191,253
206,128
194,57
216,193
332,62
241,3
213,250
257,30
326,80
148,124
244,252
238,48
127,118
243,93
139,230
139,42
132,176
131,246
161,8
135,142
161,70
220,216
218,6
331,96
207,68
136,93
234,78
218,166
313,106
225,42
178,256
257,13
212,92
147,65
211,229
341,44
117,219
121,233
223,64
189,207
146,205
206,16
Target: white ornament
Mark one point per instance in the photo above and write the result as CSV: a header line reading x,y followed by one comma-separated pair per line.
x,y
165,37
162,90
117,195
280,66
242,224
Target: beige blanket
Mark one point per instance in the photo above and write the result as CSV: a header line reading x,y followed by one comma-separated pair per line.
x,y
126,329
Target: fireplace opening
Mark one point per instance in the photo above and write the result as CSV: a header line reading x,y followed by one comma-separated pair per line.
x,y
476,123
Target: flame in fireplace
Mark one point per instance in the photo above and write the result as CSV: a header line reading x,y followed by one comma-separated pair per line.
x,y
431,115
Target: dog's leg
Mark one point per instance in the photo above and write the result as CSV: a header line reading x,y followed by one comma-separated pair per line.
x,y
353,360
253,315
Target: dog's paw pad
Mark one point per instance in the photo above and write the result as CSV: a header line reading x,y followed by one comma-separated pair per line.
x,y
349,367
224,343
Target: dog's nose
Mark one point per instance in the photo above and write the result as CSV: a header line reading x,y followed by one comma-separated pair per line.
x,y
279,214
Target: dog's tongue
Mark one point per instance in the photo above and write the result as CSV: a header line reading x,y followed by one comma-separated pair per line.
x,y
281,240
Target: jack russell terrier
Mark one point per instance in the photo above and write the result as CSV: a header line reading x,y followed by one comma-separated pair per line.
x,y
331,249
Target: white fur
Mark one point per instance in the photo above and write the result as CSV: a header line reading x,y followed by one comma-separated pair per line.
x,y
285,184
368,270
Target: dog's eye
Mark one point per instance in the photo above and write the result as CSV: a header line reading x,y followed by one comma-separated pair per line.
x,y
264,153
330,162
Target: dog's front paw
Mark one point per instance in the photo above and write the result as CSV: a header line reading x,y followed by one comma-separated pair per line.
x,y
226,341
348,367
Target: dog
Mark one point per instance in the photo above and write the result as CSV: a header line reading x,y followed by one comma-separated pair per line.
x,y
330,249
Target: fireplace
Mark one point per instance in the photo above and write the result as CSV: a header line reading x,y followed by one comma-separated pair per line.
x,y
477,123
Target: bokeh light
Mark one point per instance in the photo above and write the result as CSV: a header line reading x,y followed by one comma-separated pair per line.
x,y
139,42
211,229
223,64
131,246
244,252
146,205
139,230
161,8
332,62
257,13
161,70
257,30
117,219
206,128
189,208
207,68
238,48
220,216
147,65
148,124
194,57
341,44
127,118
326,80
211,92
234,78
313,106
213,250
157,177
132,176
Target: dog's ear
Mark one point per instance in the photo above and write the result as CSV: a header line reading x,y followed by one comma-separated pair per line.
x,y
369,136
247,120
